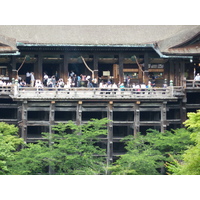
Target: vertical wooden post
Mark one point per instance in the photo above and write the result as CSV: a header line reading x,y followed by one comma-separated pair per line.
x,y
95,63
163,112
167,72
146,70
14,70
24,121
79,113
65,69
121,67
176,74
110,133
136,119
51,115
183,110
171,70
38,67
51,123
182,74
60,70
116,73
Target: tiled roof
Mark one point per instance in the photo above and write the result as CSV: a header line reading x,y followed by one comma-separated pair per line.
x,y
165,36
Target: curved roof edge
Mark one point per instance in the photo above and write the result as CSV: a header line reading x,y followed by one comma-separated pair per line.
x,y
8,45
178,39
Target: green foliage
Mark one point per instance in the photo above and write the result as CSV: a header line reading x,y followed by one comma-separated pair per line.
x,y
190,164
70,150
146,155
9,142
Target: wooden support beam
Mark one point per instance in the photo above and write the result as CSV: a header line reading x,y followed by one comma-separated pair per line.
x,y
79,113
64,69
146,72
163,111
171,70
182,72
95,63
23,124
110,134
38,68
136,119
121,67
177,73
51,116
14,69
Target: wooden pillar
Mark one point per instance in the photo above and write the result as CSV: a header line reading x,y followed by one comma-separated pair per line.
x,y
121,67
182,72
51,115
116,73
59,72
95,63
110,133
38,67
176,73
167,71
137,118
65,70
79,113
171,70
146,68
183,110
51,123
14,70
163,113
24,121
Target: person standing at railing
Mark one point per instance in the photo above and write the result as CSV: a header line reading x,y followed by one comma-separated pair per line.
x,y
78,81
45,78
122,86
32,79
197,78
53,79
28,78
89,81
95,82
38,85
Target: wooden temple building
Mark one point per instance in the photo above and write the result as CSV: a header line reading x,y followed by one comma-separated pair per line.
x,y
167,55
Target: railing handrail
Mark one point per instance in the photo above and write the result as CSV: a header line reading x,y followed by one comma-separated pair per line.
x,y
96,92
192,84
6,90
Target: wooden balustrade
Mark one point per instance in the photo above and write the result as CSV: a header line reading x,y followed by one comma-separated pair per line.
x,y
6,90
96,93
191,84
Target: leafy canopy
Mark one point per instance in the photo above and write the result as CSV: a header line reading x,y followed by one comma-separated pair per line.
x,y
190,163
147,154
9,142
70,150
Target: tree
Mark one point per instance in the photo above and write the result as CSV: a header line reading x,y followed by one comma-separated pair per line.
x,y
190,163
9,142
70,150
147,154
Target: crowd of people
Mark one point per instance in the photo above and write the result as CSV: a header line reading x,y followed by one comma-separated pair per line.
x,y
4,83
76,81
80,81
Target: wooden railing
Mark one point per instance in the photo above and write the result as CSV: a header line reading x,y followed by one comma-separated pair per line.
x,y
191,84
6,90
96,93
